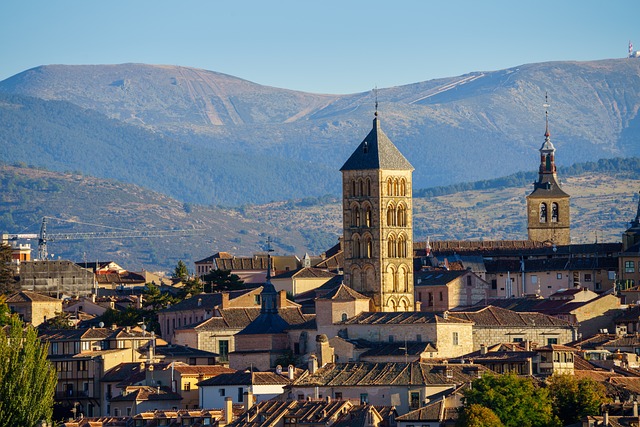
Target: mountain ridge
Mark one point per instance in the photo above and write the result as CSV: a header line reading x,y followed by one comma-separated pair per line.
x,y
472,127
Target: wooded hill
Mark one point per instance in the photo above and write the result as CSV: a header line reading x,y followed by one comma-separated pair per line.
x,y
604,199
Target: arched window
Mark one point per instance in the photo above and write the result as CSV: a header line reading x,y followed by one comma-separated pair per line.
x,y
403,279
355,216
369,248
391,215
391,247
367,216
402,247
389,187
353,188
554,212
391,304
361,184
368,187
356,247
403,187
543,212
402,216
344,317
395,187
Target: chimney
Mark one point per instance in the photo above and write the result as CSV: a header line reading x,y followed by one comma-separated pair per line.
x,y
93,298
323,350
248,400
418,305
635,408
225,300
199,302
228,410
139,302
313,364
291,372
483,349
282,299
527,345
606,417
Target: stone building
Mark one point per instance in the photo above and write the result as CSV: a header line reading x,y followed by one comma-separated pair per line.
x,y
548,216
441,290
377,223
56,278
494,325
33,307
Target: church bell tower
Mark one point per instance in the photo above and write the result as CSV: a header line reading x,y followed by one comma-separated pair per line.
x,y
377,223
548,218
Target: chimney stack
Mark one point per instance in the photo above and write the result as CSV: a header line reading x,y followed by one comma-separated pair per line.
x,y
483,349
282,299
225,300
313,364
635,408
248,400
291,372
228,410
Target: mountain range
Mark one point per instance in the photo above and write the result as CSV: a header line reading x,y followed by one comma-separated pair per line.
x,y
210,138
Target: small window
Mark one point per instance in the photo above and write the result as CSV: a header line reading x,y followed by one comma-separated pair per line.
x,y
344,317
222,392
558,276
587,277
337,395
364,398
455,338
552,341
187,386
629,267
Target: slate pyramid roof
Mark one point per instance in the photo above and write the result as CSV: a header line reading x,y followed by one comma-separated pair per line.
x,y
377,152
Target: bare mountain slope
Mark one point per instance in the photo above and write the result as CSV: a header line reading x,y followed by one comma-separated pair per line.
x,y
476,126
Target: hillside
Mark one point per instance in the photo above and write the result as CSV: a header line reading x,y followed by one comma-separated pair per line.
x,y
477,126
602,203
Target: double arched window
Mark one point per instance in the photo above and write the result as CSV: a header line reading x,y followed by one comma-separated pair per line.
x,y
391,215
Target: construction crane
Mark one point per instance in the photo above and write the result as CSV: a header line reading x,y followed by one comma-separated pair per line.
x,y
44,237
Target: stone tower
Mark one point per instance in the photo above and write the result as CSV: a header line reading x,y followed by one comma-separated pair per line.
x,y
548,216
377,223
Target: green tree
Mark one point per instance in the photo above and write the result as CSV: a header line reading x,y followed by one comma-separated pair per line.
x,y
181,272
517,401
221,280
190,288
27,378
478,416
8,284
60,321
5,312
573,399
152,296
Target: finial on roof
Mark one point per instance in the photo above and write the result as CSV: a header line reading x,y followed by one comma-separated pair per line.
x,y
375,91
546,114
269,250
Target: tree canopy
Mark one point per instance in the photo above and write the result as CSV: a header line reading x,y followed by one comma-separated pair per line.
x,y
517,402
27,378
478,416
181,272
221,280
572,399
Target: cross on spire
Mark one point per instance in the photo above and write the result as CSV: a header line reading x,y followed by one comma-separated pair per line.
x,y
546,114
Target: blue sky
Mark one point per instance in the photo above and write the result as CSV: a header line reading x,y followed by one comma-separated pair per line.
x,y
326,46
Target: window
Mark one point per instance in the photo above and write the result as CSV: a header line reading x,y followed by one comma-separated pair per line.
x,y
337,395
518,339
186,386
543,212
390,338
367,216
554,212
629,267
534,279
419,338
430,299
552,341
223,349
414,400
587,277
469,280
441,296
240,395
558,276
364,398
257,299
344,317
494,283
222,392
455,338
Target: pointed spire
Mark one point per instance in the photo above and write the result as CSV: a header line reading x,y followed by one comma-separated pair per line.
x,y
375,91
546,115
